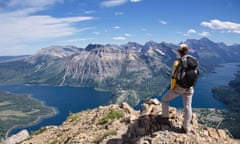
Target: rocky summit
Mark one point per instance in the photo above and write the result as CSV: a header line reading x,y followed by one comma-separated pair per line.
x,y
121,124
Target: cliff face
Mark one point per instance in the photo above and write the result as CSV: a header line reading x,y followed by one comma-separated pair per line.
x,y
116,124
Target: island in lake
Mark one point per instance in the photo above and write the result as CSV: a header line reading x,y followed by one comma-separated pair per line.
x,y
18,110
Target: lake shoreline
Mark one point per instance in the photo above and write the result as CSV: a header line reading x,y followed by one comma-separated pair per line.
x,y
83,104
61,100
38,120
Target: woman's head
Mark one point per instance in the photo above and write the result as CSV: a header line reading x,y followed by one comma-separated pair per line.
x,y
183,49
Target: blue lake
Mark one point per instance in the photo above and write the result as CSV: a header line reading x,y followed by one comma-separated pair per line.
x,y
64,99
74,99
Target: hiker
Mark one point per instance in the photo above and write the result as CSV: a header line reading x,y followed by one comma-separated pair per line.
x,y
179,86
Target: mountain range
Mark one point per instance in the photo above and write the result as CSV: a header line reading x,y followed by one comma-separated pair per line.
x,y
131,71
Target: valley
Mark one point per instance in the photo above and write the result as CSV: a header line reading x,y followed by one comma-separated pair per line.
x,y
138,70
131,72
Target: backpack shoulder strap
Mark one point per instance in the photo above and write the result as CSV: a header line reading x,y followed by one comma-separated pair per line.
x,y
184,61
192,62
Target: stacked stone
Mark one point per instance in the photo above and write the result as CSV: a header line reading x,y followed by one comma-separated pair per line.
x,y
150,128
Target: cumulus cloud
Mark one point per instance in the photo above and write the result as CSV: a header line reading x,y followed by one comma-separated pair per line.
x,y
191,31
119,38
222,25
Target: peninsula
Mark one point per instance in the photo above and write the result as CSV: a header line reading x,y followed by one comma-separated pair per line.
x,y
19,110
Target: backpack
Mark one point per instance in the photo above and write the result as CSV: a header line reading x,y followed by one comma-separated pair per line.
x,y
187,71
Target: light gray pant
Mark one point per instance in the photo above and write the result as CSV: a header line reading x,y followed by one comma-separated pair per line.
x,y
187,103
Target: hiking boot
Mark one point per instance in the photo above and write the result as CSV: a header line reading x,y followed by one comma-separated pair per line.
x,y
185,131
162,119
162,116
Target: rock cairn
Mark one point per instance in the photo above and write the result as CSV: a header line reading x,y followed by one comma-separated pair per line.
x,y
149,128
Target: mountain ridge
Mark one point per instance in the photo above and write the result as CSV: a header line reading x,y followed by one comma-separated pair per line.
x,y
132,69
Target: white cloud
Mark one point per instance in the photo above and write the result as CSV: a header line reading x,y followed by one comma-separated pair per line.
x,y
163,22
205,34
191,31
135,1
23,27
29,28
127,35
31,3
222,25
27,6
119,38
236,31
116,27
112,3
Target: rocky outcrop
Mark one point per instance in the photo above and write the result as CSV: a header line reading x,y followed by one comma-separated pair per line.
x,y
116,124
20,136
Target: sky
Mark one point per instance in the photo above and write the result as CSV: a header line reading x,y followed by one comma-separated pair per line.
x,y
29,25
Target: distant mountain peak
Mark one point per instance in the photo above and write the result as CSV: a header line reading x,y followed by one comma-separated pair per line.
x,y
59,51
93,46
151,43
133,46
204,39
